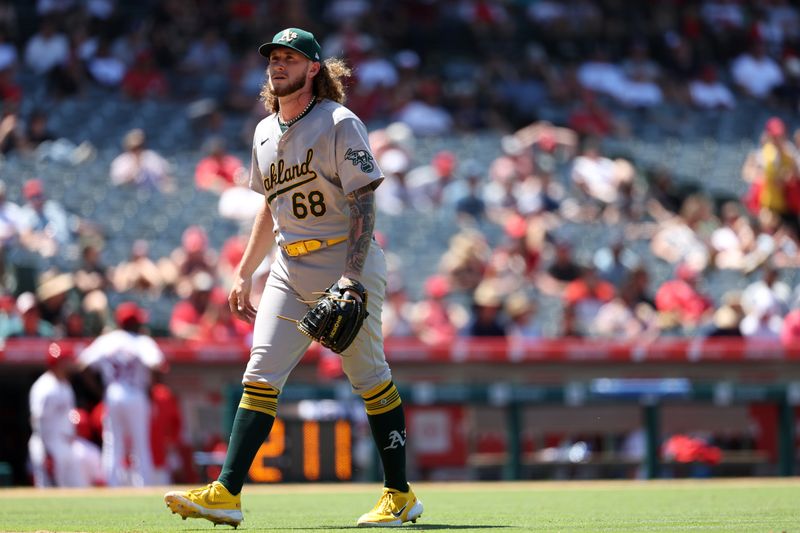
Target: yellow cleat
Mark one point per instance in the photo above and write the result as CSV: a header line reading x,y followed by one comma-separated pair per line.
x,y
393,508
212,502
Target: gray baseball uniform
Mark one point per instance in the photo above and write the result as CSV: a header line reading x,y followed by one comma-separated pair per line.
x,y
312,170
304,174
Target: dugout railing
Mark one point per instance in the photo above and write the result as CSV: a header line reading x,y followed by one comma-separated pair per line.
x,y
514,378
650,395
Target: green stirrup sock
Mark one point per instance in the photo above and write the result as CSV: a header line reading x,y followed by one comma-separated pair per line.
x,y
251,427
388,424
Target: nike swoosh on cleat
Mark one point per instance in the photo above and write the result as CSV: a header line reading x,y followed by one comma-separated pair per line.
x,y
265,140
400,512
223,505
205,504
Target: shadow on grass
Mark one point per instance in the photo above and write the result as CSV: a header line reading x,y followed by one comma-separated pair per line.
x,y
417,527
450,526
408,527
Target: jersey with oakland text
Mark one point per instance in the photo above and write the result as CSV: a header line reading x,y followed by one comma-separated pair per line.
x,y
123,358
305,172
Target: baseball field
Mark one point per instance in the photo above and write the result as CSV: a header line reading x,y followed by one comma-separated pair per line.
x,y
752,505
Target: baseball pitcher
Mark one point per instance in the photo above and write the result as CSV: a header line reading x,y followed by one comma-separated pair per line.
x,y
312,163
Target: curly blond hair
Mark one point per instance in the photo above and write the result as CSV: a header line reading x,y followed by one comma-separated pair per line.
x,y
328,83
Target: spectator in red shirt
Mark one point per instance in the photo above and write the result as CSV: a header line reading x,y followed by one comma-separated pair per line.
x,y
790,332
432,321
219,169
523,244
590,119
144,80
192,256
10,91
584,296
229,257
680,299
196,255
217,323
185,322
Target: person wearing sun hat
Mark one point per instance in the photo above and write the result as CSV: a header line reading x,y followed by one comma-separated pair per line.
x,y
521,312
486,320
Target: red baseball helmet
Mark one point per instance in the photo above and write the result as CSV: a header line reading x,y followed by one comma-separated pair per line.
x,y
130,313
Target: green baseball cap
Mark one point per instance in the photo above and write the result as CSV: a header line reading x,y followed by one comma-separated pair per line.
x,y
296,39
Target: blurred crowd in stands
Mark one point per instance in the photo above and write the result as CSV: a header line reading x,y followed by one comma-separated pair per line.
x,y
428,69
604,292
440,67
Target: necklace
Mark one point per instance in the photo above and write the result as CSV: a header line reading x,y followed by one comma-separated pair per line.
x,y
298,117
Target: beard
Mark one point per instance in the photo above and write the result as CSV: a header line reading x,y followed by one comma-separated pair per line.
x,y
293,85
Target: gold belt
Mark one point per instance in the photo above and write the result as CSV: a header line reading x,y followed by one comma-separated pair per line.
x,y
297,248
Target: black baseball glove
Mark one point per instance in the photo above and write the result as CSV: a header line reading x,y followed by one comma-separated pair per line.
x,y
336,318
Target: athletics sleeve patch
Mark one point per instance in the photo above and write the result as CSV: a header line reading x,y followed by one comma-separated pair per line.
x,y
361,158
355,164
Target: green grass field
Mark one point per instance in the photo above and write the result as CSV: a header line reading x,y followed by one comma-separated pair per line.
x,y
752,505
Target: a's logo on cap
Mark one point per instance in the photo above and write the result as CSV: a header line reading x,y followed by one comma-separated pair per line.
x,y
288,36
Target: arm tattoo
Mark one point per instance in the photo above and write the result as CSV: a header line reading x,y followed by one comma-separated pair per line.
x,y
362,223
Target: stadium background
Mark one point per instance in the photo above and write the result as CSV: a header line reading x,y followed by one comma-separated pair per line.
x,y
510,94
